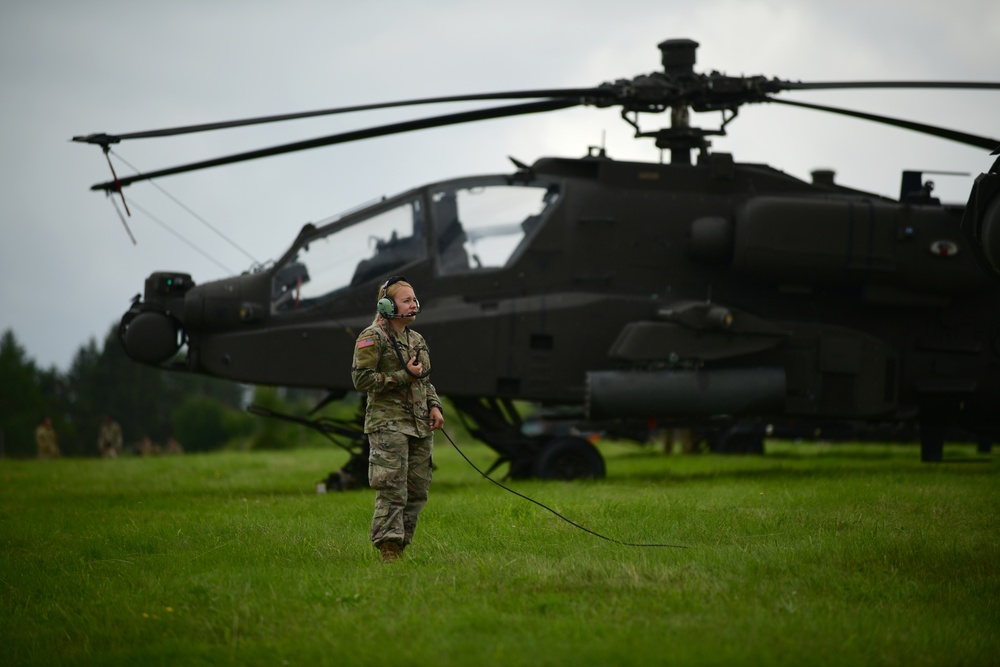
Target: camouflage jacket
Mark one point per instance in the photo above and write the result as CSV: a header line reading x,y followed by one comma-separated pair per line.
x,y
394,402
109,435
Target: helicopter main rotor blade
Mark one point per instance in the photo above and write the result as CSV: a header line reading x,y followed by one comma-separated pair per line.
x,y
574,93
608,92
944,133
837,85
355,135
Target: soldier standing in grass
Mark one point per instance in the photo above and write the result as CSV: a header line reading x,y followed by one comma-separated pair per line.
x,y
391,364
109,438
46,440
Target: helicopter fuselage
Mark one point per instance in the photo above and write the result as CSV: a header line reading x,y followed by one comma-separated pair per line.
x,y
666,291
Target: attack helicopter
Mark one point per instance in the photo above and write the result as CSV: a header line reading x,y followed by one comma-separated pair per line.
x,y
716,294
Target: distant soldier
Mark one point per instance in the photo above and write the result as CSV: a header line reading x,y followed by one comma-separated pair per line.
x,y
680,439
685,437
45,438
147,448
109,438
173,447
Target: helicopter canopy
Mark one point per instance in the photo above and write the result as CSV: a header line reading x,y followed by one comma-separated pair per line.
x,y
467,225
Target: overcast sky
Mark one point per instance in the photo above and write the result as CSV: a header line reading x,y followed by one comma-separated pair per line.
x,y
68,269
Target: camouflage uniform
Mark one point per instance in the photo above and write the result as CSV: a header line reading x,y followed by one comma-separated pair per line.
x,y
109,439
396,421
48,443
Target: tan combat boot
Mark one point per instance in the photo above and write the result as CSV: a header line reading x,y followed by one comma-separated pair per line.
x,y
389,551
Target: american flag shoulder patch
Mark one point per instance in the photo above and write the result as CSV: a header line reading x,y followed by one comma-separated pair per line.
x,y
365,342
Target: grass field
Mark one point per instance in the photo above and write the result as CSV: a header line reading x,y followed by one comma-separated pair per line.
x,y
811,555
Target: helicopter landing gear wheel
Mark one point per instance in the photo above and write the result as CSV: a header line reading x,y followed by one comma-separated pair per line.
x,y
931,442
569,458
739,439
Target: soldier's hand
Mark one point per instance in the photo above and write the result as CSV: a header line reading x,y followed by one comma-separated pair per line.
x,y
437,419
415,367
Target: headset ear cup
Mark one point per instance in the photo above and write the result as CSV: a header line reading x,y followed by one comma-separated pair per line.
x,y
385,307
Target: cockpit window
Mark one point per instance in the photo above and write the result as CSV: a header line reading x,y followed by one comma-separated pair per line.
x,y
483,226
369,248
478,224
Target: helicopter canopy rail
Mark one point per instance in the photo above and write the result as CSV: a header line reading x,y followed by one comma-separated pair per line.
x,y
678,88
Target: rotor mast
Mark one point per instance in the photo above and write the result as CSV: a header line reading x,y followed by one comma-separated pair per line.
x,y
678,58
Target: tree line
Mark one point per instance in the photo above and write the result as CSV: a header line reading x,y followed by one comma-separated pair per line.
x,y
200,412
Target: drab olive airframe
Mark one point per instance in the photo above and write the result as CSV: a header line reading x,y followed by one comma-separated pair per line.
x,y
704,293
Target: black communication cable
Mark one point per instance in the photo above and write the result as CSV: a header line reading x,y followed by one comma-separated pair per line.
x,y
399,356
545,507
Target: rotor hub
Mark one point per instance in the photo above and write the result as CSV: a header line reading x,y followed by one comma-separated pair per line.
x,y
678,56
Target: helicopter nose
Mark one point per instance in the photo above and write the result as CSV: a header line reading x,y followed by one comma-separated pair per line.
x,y
151,337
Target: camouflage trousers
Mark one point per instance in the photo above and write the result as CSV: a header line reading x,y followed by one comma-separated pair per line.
x,y
399,469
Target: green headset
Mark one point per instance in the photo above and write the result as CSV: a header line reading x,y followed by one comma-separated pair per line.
x,y
386,307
